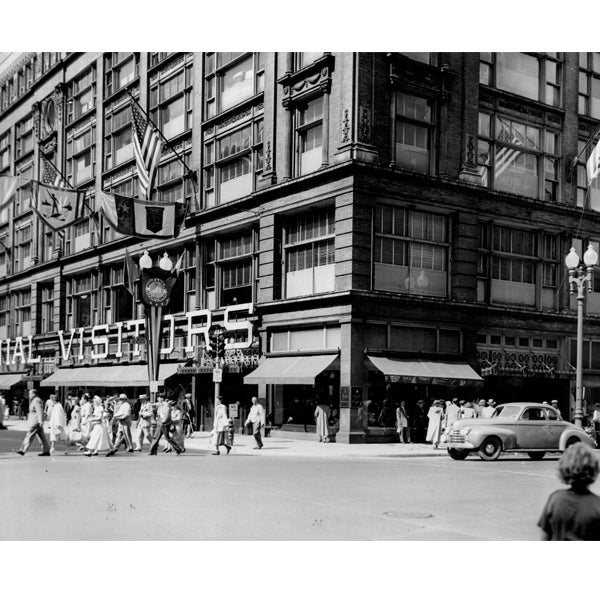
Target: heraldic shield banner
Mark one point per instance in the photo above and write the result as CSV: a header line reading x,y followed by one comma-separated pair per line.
x,y
140,218
57,206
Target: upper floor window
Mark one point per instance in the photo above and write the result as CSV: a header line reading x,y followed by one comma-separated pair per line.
x,y
4,251
233,163
81,155
429,58
118,143
81,300
230,78
22,312
411,251
4,316
170,183
117,302
4,151
309,136
171,100
81,95
23,137
120,69
303,59
235,269
518,157
589,84
183,295
22,247
46,299
533,75
309,253
414,128
588,194
25,192
156,57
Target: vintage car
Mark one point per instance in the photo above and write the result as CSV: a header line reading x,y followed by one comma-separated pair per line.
x,y
515,427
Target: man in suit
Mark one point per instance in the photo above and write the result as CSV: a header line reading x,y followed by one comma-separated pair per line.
x,y
123,419
163,426
257,418
35,425
146,421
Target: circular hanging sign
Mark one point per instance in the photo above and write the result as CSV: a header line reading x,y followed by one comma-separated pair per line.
x,y
156,290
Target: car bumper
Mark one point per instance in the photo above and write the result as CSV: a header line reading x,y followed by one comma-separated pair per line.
x,y
462,446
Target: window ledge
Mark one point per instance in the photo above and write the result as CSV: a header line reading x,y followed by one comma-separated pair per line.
x,y
230,112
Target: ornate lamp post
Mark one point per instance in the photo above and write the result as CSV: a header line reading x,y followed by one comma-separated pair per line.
x,y
579,275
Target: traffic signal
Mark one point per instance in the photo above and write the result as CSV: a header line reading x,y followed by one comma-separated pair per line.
x,y
220,345
212,347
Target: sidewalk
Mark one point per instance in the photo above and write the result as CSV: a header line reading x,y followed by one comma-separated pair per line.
x,y
279,446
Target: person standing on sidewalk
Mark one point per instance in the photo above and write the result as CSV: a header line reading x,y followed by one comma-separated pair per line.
x,y
256,417
35,426
123,419
221,426
163,427
322,420
58,424
2,409
144,425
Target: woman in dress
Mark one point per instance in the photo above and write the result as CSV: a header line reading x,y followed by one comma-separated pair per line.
x,y
58,424
86,417
177,428
221,426
402,423
467,411
99,438
434,429
322,420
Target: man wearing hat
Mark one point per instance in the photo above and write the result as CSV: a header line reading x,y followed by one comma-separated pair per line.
x,y
186,407
554,405
164,424
123,419
256,417
35,426
145,422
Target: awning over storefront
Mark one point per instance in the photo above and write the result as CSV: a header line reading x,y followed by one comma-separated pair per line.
x,y
111,376
287,370
7,380
398,370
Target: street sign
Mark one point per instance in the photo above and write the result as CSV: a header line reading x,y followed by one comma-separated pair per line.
x,y
217,375
233,411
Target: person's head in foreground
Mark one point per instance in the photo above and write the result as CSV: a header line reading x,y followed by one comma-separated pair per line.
x,y
578,467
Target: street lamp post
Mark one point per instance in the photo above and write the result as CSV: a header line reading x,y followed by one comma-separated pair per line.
x,y
580,275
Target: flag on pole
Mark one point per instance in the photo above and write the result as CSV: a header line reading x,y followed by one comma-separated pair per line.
x,y
8,188
52,176
147,147
593,163
506,156
143,219
130,273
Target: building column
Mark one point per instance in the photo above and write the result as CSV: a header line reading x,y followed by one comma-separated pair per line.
x,y
326,91
353,386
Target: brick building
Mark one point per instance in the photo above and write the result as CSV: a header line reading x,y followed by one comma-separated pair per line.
x,y
365,225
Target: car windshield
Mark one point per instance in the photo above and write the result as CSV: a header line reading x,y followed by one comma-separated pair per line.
x,y
507,412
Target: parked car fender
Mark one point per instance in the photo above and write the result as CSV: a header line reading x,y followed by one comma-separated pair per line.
x,y
574,432
506,436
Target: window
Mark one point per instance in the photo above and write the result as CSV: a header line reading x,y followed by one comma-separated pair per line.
x,y
81,154
22,312
411,251
4,151
210,297
81,95
156,57
47,308
171,99
4,251
118,143
309,136
429,58
170,183
4,317
235,269
519,158
304,59
413,132
233,163
22,247
535,76
24,193
120,69
23,137
118,303
310,253
230,78
588,196
81,300
589,84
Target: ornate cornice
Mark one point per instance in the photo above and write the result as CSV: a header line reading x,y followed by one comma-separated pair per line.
x,y
315,77
17,66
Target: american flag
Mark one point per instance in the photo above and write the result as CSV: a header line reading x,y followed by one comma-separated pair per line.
x,y
51,175
147,147
505,156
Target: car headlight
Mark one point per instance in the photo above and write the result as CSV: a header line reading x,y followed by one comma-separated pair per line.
x,y
466,431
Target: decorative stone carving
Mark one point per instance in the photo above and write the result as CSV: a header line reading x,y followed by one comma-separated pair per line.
x,y
364,129
35,109
346,126
59,96
470,152
300,84
234,119
268,166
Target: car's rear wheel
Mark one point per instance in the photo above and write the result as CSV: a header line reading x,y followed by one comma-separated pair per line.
x,y
490,449
536,455
458,454
571,441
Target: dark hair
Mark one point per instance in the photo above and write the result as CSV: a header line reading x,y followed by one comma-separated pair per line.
x,y
578,466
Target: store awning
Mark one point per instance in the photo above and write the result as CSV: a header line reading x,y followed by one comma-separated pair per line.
x,y
299,370
7,380
112,376
398,370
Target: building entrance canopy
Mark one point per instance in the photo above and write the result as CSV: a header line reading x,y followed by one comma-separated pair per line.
x,y
7,380
111,376
287,370
398,370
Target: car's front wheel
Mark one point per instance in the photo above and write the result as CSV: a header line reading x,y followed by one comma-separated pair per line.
x,y
536,455
458,454
490,449
571,441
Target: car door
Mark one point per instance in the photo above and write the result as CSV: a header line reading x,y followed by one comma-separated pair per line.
x,y
533,431
556,426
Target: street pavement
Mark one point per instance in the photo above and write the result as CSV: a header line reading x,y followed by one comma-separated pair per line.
x,y
290,490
